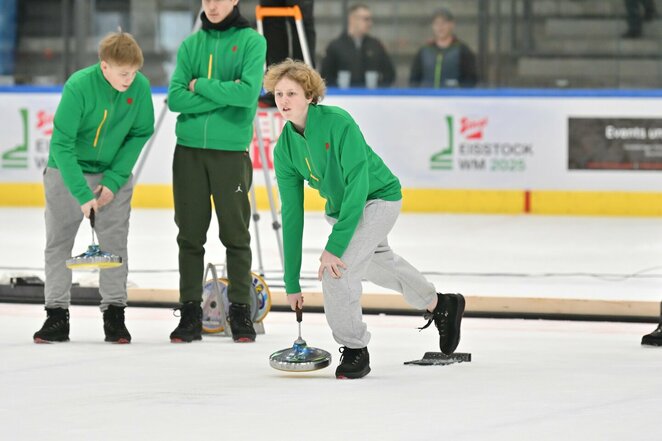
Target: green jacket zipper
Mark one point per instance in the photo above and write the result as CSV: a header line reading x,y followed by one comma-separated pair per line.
x,y
209,72
105,129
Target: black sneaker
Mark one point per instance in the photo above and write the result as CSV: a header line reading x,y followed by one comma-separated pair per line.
x,y
447,317
654,338
241,323
113,325
55,328
354,363
190,323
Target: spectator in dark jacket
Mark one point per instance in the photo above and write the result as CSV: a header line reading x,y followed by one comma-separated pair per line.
x,y
635,18
445,61
357,52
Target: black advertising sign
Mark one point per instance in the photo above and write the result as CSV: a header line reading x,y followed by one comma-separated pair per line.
x,y
614,144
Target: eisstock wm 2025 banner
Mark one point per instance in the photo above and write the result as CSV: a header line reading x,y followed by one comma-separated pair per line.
x,y
615,143
430,142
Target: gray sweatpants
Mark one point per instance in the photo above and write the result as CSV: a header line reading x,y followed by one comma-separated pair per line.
x,y
63,218
369,256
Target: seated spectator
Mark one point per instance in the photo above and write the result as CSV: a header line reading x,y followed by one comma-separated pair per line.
x,y
635,18
445,61
357,53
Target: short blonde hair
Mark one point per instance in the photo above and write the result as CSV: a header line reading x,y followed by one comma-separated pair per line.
x,y
121,48
311,82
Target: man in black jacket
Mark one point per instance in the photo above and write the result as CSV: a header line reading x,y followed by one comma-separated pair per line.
x,y
357,53
635,18
445,61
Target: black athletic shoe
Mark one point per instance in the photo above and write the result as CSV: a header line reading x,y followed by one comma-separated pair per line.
x,y
354,363
113,325
654,338
55,328
447,317
190,323
241,323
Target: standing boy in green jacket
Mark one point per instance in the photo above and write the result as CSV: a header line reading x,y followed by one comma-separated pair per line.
x,y
215,88
323,146
104,119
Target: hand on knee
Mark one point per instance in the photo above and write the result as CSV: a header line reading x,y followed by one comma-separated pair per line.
x,y
330,264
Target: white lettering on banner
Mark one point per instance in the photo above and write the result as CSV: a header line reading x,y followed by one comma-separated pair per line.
x,y
612,132
649,150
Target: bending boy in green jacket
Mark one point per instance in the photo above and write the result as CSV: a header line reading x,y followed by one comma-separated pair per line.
x,y
324,147
104,119
215,88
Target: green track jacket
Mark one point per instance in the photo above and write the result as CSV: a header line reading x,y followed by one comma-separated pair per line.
x,y
99,130
334,158
219,115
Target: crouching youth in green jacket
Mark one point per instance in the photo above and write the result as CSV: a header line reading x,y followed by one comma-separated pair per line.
x,y
324,147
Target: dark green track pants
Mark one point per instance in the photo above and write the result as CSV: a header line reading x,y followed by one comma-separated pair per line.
x,y
227,177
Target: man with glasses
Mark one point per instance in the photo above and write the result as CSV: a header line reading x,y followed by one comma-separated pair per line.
x,y
357,54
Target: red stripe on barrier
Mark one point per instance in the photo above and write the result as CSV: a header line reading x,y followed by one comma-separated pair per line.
x,y
527,201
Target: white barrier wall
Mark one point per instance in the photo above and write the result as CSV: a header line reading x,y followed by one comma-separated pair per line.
x,y
449,142
493,142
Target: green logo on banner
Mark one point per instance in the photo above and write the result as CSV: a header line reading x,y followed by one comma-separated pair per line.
x,y
18,156
443,160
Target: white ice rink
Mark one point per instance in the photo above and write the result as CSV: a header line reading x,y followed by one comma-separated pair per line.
x,y
529,379
609,258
